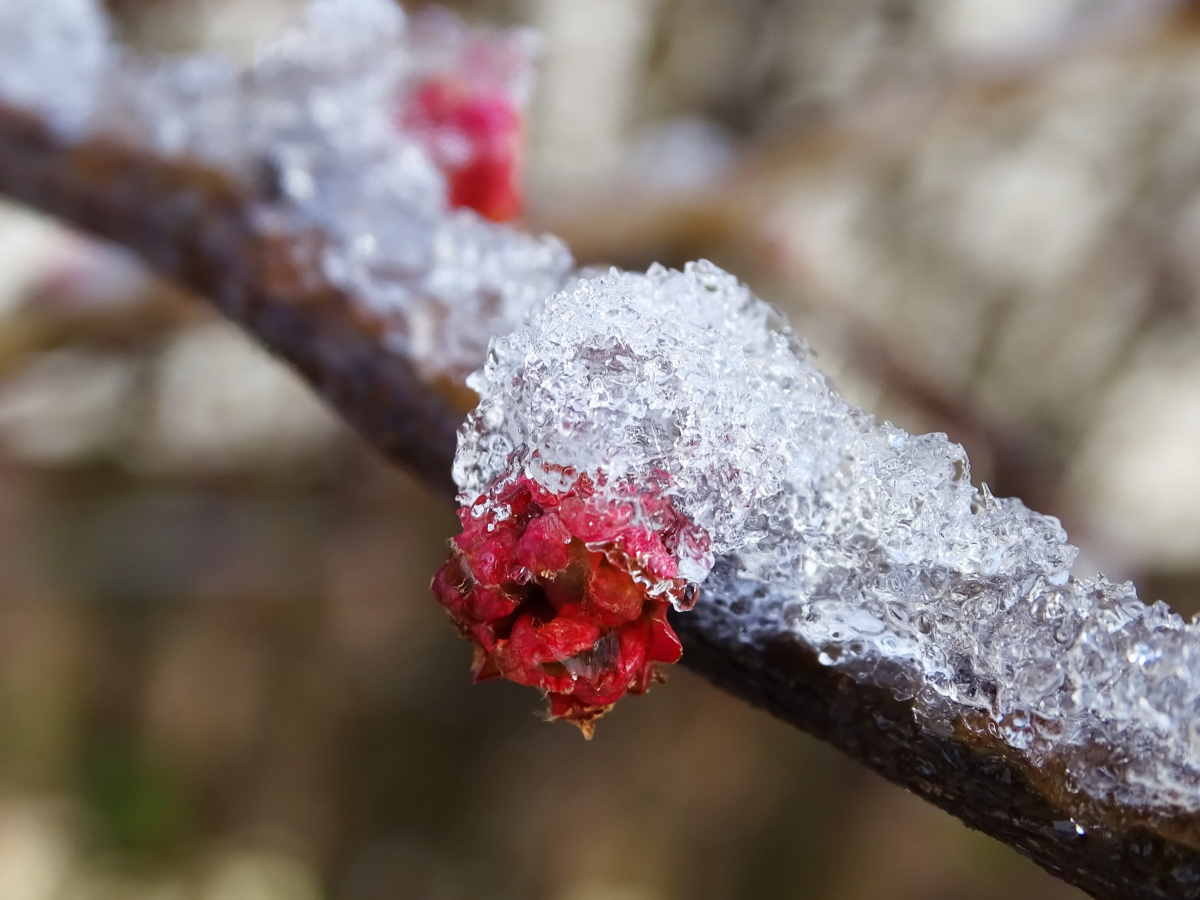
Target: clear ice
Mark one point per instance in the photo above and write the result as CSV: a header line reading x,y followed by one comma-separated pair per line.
x,y
316,114
863,542
53,57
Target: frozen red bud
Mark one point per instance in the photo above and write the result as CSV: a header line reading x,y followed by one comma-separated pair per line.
x,y
473,134
568,592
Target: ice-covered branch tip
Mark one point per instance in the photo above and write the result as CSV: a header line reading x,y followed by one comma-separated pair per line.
x,y
396,138
681,391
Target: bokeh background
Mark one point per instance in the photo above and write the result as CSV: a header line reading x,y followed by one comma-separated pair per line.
x,y
221,674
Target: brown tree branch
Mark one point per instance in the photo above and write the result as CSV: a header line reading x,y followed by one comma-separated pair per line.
x,y
211,234
216,236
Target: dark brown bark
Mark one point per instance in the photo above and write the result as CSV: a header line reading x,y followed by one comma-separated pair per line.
x,y
214,234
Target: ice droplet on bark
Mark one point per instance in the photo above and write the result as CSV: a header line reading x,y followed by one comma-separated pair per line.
x,y
318,116
865,543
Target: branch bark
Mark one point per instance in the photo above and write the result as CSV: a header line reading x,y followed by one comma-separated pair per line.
x,y
218,236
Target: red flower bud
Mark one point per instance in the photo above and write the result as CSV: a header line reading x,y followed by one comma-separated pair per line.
x,y
473,134
569,592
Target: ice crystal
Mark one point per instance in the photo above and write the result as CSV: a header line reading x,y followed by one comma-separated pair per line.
x,y
867,544
324,116
53,56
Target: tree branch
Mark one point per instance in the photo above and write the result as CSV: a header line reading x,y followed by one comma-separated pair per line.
x,y
210,233
218,236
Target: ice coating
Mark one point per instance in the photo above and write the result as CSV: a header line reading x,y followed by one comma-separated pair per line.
x,y
53,56
865,543
612,381
318,118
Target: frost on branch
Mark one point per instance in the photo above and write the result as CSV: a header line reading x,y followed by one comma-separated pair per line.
x,y
396,137
53,58
865,543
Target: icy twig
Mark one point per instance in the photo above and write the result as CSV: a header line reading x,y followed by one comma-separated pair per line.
x,y
821,623
854,547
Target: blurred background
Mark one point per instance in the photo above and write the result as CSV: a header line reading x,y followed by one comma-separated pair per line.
x,y
221,674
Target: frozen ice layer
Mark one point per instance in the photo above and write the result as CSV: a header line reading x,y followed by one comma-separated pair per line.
x,y
614,381
53,57
864,543
398,137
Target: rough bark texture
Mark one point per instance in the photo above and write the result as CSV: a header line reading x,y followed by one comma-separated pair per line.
x,y
219,237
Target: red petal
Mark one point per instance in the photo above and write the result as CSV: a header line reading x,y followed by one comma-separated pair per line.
x,y
521,657
598,695
645,546
563,705
449,584
635,640
491,604
664,644
518,497
565,637
489,554
545,546
484,636
592,524
613,590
